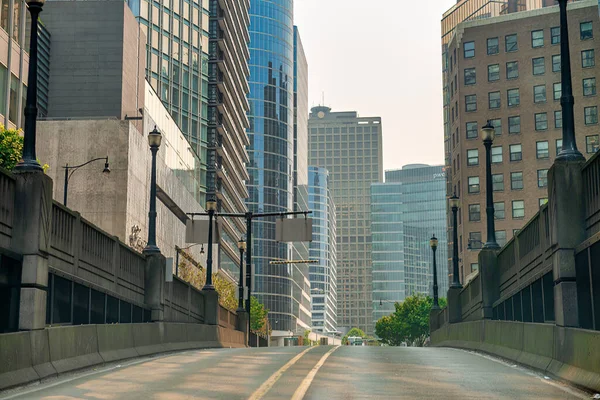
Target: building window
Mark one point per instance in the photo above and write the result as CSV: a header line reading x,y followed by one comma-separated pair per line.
x,y
499,211
589,87
555,35
475,241
493,46
518,209
474,212
591,144
501,238
474,184
558,146
470,76
471,102
557,90
591,115
516,152
469,49
512,70
514,124
516,180
543,201
558,119
587,58
472,157
585,30
514,97
542,178
472,130
541,121
497,182
542,150
496,155
497,124
539,66
556,63
510,42
474,267
494,100
493,72
539,94
537,38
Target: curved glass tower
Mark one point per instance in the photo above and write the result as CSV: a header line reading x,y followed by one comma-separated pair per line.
x,y
271,166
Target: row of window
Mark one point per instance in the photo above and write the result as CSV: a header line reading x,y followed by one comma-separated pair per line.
x,y
586,32
518,210
516,181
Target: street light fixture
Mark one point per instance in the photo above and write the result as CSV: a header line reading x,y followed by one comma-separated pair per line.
x,y
70,170
154,140
434,244
211,208
488,133
454,202
28,162
242,248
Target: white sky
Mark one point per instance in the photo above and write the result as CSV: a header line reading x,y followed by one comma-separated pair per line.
x,y
380,58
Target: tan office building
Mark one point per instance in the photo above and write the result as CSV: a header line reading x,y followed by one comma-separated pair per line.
x,y
507,69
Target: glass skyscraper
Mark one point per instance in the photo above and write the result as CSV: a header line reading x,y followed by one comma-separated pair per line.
x,y
271,166
406,211
323,274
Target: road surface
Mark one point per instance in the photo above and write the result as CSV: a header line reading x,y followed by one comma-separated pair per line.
x,y
297,373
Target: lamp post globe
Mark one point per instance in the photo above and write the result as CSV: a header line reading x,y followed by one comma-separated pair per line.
x,y
488,133
433,242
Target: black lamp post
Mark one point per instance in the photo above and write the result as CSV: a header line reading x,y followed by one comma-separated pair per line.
x,y
154,139
488,133
569,150
70,170
454,202
28,162
434,244
242,247
211,208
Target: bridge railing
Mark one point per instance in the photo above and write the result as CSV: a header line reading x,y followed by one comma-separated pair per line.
x,y
7,206
227,318
470,299
591,183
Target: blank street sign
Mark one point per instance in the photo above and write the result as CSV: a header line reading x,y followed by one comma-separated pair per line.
x,y
293,230
196,231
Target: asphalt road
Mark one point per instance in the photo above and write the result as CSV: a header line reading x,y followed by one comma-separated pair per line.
x,y
306,373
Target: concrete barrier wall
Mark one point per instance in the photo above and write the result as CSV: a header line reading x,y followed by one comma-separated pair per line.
x,y
569,354
34,355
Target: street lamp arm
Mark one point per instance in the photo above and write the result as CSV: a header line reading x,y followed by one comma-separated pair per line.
x,y
74,168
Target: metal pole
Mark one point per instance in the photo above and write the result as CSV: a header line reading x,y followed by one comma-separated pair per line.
x,y
241,282
248,260
28,162
151,247
569,150
489,199
66,189
177,249
209,260
455,272
436,304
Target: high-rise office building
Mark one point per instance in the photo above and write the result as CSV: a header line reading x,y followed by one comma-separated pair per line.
x,y
506,69
227,121
323,274
271,168
350,148
406,211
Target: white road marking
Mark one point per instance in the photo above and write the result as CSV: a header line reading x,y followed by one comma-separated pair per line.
x,y
268,384
303,388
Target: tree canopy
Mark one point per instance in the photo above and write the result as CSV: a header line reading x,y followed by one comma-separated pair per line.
x,y
259,323
354,332
11,146
409,323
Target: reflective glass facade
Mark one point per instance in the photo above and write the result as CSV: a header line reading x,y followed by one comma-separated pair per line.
x,y
405,212
271,167
323,274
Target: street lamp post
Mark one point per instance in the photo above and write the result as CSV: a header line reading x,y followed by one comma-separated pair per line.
x,y
28,162
454,202
154,140
242,247
211,208
488,133
569,150
70,170
434,244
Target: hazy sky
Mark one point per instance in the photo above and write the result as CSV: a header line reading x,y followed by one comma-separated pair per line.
x,y
380,58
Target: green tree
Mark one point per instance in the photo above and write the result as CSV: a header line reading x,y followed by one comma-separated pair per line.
x,y
11,146
259,323
409,323
353,333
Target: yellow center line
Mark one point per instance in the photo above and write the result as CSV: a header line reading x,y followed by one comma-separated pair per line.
x,y
303,388
268,384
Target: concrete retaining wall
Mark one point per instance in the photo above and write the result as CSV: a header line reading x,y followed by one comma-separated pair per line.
x,y
34,355
567,353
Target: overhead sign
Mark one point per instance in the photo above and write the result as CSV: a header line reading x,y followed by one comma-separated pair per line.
x,y
293,229
169,270
196,231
